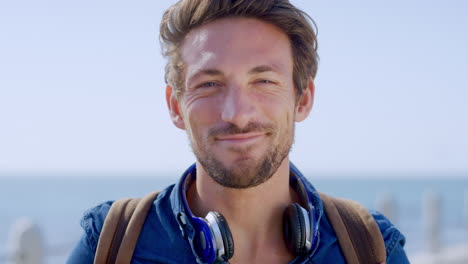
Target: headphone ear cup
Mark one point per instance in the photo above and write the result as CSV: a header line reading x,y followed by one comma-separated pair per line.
x,y
202,244
294,229
228,241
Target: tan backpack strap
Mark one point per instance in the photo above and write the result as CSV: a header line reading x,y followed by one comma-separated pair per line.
x,y
127,247
113,230
357,232
124,219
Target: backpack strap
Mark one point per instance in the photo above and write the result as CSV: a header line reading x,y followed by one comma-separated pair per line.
x,y
121,229
357,232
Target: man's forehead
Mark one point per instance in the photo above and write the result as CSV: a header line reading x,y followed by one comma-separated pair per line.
x,y
256,45
226,33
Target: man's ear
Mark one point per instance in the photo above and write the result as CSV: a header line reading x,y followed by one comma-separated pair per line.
x,y
305,103
174,109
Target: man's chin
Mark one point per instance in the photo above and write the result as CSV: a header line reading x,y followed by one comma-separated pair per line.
x,y
240,175
238,181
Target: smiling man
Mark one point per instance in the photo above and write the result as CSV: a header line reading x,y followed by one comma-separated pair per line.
x,y
239,75
239,103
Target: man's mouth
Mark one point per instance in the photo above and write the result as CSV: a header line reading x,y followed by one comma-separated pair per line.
x,y
241,138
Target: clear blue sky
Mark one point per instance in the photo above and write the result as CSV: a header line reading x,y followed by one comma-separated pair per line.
x,y
81,88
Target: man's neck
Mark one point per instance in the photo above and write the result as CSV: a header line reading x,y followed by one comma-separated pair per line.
x,y
254,215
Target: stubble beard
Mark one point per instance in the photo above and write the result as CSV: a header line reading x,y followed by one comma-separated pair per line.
x,y
247,173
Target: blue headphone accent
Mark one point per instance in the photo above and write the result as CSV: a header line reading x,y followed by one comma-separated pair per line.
x,y
211,240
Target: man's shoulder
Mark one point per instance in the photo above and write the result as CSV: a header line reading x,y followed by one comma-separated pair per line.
x,y
393,238
94,218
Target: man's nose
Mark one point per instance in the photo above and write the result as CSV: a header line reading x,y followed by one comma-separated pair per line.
x,y
239,106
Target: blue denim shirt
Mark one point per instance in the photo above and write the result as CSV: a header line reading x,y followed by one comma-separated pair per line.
x,y
161,240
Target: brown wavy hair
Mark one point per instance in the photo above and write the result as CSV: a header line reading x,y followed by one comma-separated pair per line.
x,y
186,15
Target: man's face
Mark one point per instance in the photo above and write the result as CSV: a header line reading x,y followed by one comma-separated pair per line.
x,y
238,105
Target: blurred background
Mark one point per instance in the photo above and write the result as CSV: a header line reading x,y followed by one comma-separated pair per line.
x,y
83,117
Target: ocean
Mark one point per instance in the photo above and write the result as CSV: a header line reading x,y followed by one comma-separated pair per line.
x,y
57,204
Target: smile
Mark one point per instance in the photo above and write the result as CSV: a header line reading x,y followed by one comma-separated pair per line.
x,y
243,138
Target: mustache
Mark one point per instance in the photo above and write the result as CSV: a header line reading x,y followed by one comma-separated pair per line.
x,y
230,129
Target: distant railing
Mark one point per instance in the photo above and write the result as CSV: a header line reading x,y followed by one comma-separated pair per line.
x,y
434,252
27,245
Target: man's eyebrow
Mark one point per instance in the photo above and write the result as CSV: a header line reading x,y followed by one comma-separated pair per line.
x,y
265,68
210,72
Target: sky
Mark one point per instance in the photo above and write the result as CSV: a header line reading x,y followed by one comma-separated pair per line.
x,y
82,89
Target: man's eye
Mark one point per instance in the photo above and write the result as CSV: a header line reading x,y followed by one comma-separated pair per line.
x,y
265,81
208,84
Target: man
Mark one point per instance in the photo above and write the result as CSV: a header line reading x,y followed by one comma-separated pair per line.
x,y
239,75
